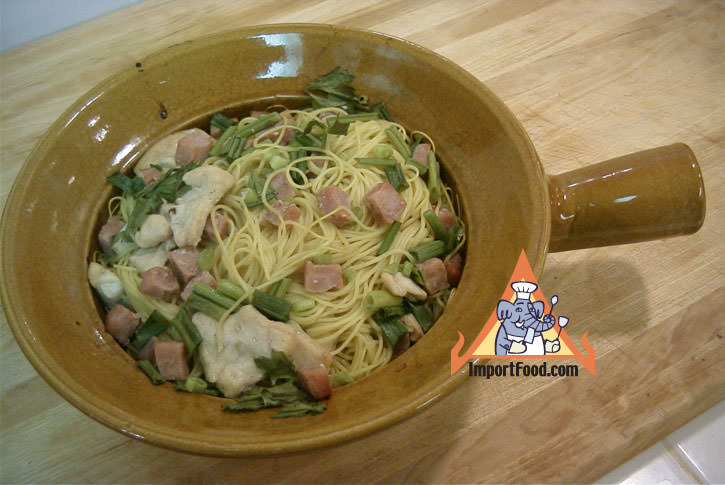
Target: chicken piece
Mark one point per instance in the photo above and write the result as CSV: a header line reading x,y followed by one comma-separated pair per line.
x,y
400,285
170,359
435,275
163,152
154,230
320,278
121,323
188,215
385,203
160,283
331,199
245,335
106,283
147,258
414,328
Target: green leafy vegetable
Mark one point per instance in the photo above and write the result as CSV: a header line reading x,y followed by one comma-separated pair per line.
x,y
154,325
151,372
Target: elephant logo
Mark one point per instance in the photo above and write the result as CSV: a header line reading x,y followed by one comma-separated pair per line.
x,y
523,326
523,323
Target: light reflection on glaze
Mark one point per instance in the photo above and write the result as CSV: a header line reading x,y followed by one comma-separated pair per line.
x,y
85,105
620,200
124,152
101,134
290,64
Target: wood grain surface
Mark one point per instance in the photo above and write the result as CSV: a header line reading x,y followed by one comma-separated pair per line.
x,y
589,80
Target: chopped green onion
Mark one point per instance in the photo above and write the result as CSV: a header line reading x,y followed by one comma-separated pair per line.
x,y
303,304
377,299
220,147
417,276
421,314
428,250
323,258
383,151
378,162
348,276
154,325
392,329
422,169
271,194
279,289
417,138
341,378
148,369
205,306
389,237
396,177
186,330
397,141
278,162
388,312
204,290
434,183
205,260
406,269
196,385
220,121
439,230
271,306
227,288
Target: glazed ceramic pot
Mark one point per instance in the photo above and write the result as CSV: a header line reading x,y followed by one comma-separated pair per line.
x,y
52,216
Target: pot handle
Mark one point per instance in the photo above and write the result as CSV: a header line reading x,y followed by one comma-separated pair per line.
x,y
645,195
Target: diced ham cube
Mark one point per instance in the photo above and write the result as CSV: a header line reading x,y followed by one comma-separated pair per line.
x,y
330,199
147,351
320,278
385,203
222,225
194,146
316,380
453,269
402,345
204,277
150,175
121,323
105,236
447,218
171,359
420,153
435,275
184,263
281,185
160,283
289,212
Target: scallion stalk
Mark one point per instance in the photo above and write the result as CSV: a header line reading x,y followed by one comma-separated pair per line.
x,y
397,141
434,183
279,289
154,325
271,306
439,230
428,250
229,289
207,307
389,237
151,372
396,177
377,299
303,304
377,162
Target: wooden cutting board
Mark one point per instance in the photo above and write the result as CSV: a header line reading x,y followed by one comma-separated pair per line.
x,y
589,80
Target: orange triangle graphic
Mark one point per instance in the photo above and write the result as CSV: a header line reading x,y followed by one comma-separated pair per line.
x,y
526,293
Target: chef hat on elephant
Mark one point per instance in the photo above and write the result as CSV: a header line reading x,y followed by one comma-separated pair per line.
x,y
524,289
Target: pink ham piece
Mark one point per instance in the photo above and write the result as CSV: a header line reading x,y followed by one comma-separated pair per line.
x,y
447,218
281,185
420,153
384,203
320,278
194,146
184,263
222,225
289,212
150,175
453,269
147,351
121,323
435,275
105,236
160,283
204,277
171,359
330,199
316,380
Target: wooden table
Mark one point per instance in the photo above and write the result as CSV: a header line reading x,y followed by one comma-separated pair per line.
x,y
589,80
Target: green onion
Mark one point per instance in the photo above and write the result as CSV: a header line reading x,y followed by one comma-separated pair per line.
x,y
278,162
154,325
189,334
227,288
377,299
378,162
207,307
205,260
417,138
356,117
196,385
340,379
271,194
417,276
303,304
219,147
406,268
434,183
389,237
397,141
383,151
421,314
439,230
392,329
388,312
428,250
348,276
279,289
396,177
148,369
422,169
323,258
271,306
204,290
220,121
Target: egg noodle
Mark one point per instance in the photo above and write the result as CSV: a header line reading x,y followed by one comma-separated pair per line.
x,y
257,254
